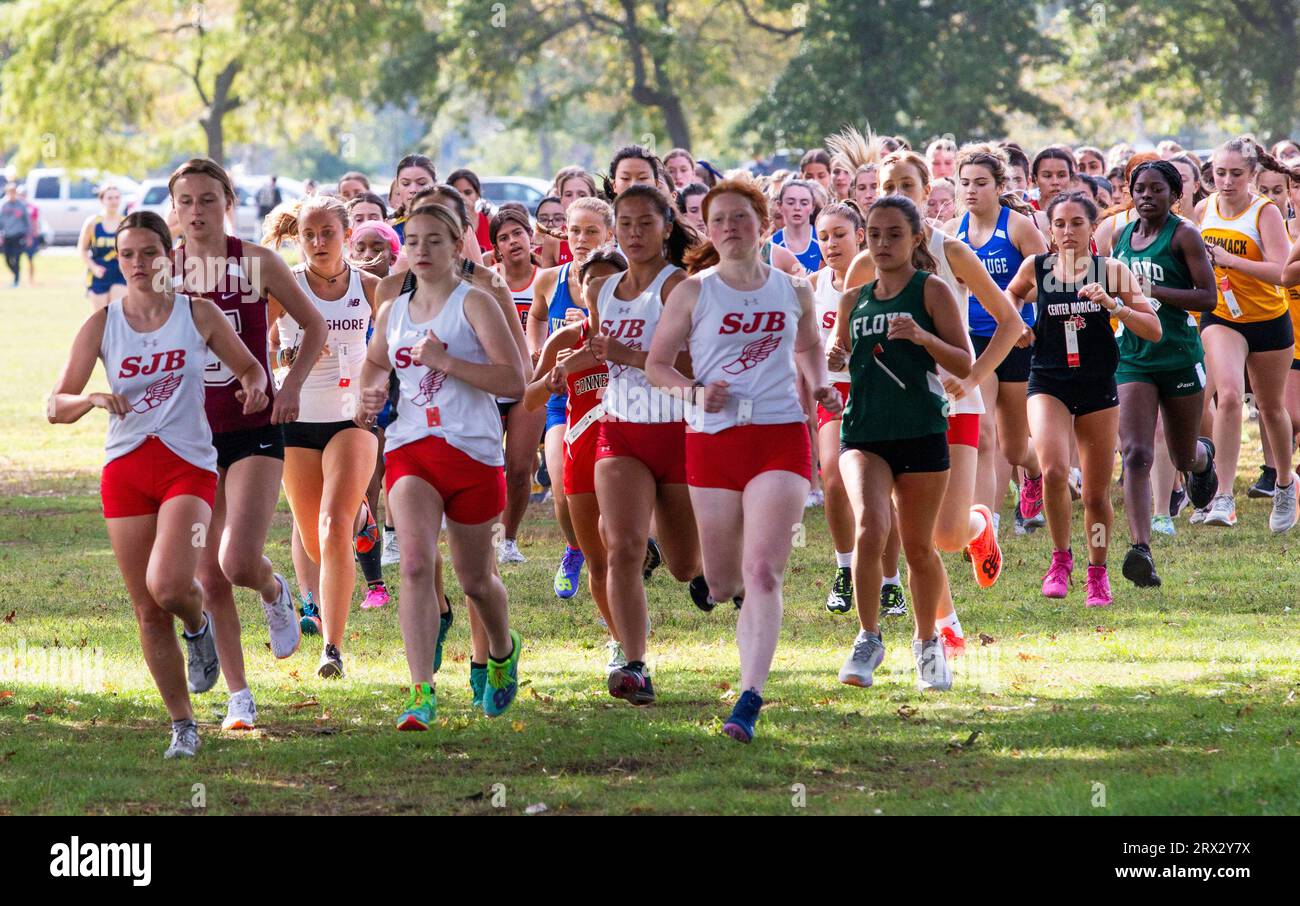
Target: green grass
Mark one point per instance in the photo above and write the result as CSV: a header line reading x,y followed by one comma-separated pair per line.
x,y
1179,700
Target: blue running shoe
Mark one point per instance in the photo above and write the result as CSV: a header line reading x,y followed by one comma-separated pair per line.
x,y
477,683
310,622
502,679
740,725
444,626
570,571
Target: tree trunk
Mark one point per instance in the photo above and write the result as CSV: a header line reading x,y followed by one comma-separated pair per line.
x,y
223,102
661,93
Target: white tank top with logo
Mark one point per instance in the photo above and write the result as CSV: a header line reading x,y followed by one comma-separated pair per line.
x,y
973,402
161,375
329,394
747,339
523,300
629,396
433,403
827,300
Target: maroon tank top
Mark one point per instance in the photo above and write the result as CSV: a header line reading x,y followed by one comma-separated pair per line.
x,y
234,293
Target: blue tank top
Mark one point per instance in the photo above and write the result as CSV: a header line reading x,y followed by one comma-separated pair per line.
x,y
1001,259
104,253
561,301
810,258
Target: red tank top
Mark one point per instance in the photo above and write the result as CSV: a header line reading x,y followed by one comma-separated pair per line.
x,y
482,234
230,288
565,254
586,388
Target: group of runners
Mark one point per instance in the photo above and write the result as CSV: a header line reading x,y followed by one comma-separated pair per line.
x,y
689,359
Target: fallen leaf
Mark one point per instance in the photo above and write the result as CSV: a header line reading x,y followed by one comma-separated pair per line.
x,y
724,685
545,699
986,639
9,693
10,617
1244,710
1103,629
1027,657
907,712
517,726
309,703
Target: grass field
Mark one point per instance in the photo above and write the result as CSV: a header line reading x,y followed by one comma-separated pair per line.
x,y
1177,700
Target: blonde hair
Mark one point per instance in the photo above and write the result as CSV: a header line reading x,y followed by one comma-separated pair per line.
x,y
598,206
444,214
857,149
282,223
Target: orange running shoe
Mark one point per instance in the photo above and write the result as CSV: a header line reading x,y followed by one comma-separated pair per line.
x,y
985,555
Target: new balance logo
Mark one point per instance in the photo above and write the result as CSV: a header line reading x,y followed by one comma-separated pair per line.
x,y
103,860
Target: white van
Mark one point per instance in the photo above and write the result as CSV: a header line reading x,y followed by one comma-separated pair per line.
x,y
66,200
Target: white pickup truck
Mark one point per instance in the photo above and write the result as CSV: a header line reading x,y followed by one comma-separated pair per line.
x,y
66,200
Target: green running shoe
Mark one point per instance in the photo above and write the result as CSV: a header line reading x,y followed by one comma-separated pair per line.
x,y
444,627
477,683
502,679
421,708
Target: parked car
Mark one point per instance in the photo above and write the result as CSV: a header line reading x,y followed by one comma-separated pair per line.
x,y
66,200
523,189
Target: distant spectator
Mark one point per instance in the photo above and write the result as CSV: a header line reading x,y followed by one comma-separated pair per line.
x,y
309,188
688,202
353,184
36,239
466,183
16,227
268,198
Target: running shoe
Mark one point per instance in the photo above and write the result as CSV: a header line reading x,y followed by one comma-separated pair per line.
x,y
1031,497
954,645
1178,501
1139,568
699,590
816,497
985,555
1021,527
1075,481
309,623
740,725
932,671
1284,508
1265,485
376,596
1059,578
654,558
508,552
893,602
421,708
502,679
543,476
444,627
1222,511
368,536
569,572
1198,515
282,622
860,666
185,741
392,554
202,665
617,659
477,685
1098,587
840,599
241,712
331,663
1202,486
632,684
1163,525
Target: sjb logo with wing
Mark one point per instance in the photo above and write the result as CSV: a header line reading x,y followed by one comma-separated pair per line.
x,y
755,351
157,393
430,384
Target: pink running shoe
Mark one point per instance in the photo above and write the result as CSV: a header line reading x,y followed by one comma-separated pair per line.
x,y
1057,582
1031,497
1098,587
375,597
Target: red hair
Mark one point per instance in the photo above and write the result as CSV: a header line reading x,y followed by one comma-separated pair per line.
x,y
705,255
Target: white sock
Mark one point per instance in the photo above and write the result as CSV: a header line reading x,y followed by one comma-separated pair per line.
x,y
843,560
890,580
951,622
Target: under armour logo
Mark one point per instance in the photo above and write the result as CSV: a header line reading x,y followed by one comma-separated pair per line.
x,y
624,309
149,344
751,301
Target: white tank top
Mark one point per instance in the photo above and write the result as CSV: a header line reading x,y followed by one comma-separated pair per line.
x,y
161,376
827,299
433,403
629,396
523,300
329,394
973,402
747,339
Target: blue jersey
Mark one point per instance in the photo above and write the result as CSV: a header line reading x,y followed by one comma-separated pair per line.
x,y
399,227
1001,259
810,258
103,251
561,301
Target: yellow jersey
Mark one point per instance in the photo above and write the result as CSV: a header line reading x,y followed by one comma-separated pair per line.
x,y
1252,298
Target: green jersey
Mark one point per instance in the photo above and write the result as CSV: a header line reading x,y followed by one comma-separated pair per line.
x,y
1180,342
895,391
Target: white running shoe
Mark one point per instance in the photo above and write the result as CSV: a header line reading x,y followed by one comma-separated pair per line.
x,y
282,620
1075,481
391,554
932,671
508,552
241,712
617,660
815,498
1222,511
860,666
1198,516
185,742
1284,508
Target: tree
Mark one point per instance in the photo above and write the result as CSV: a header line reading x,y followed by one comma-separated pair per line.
x,y
923,68
1212,58
106,82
